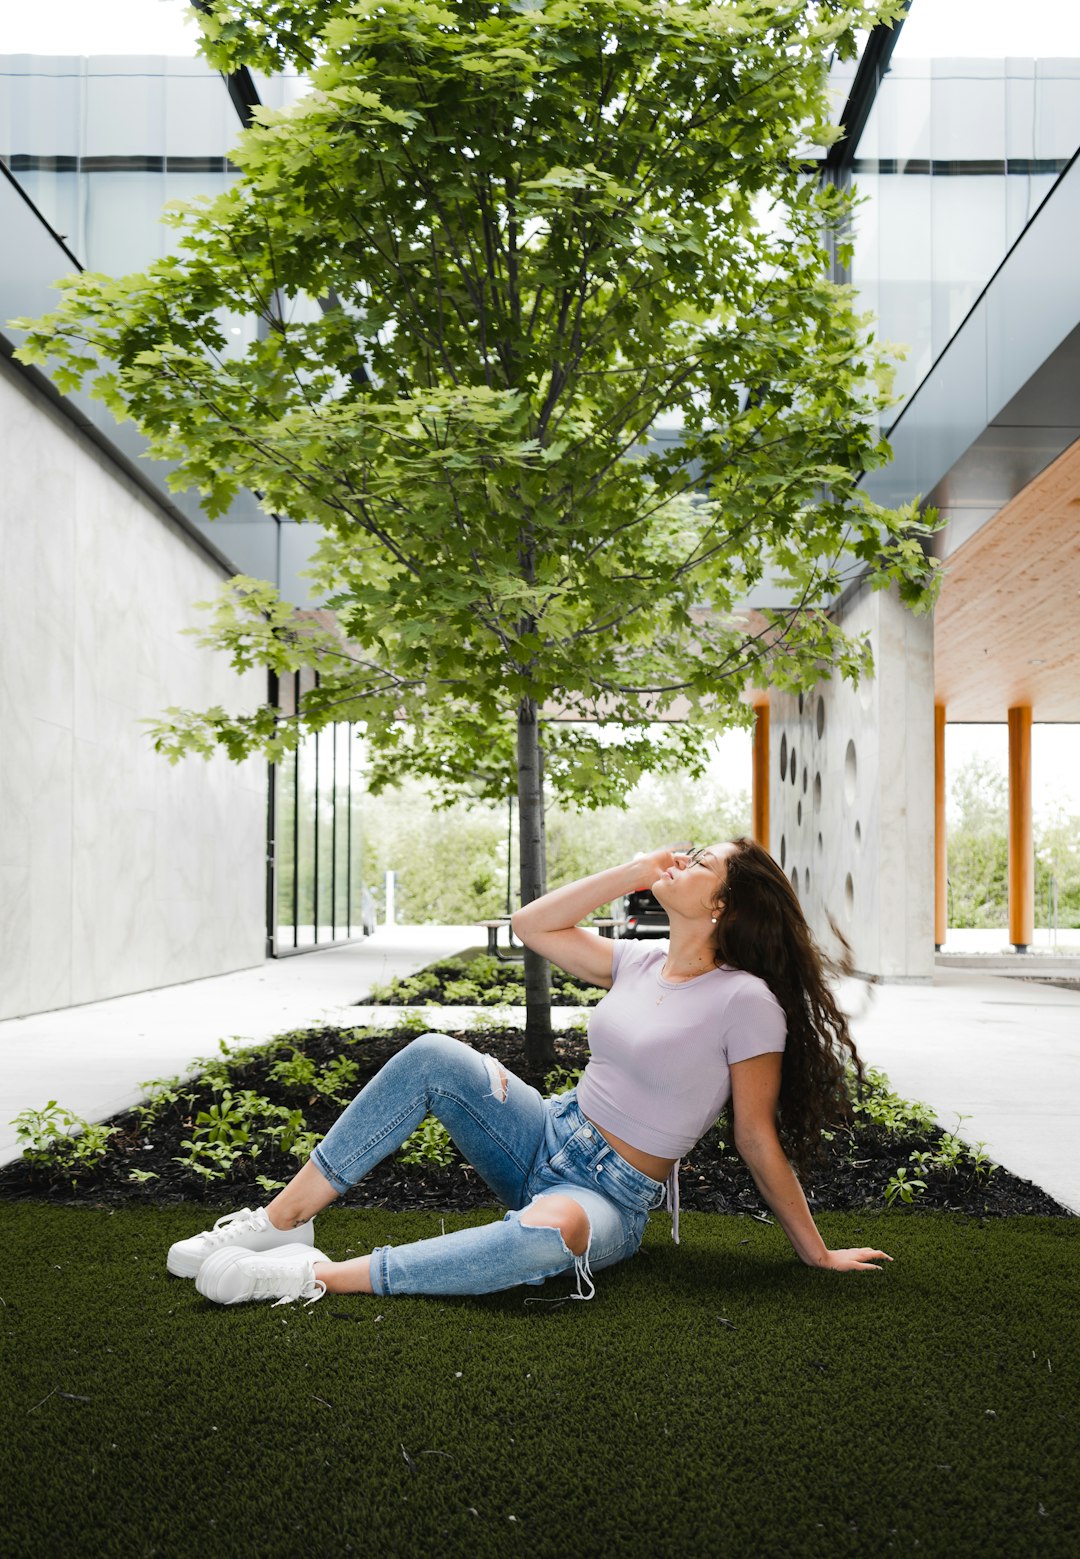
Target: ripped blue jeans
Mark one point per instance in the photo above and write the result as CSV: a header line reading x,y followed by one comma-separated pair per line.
x,y
523,1145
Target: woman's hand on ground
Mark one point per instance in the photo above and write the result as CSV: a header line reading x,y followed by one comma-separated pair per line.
x,y
862,1260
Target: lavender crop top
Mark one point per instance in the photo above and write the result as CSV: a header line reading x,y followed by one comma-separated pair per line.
x,y
660,1051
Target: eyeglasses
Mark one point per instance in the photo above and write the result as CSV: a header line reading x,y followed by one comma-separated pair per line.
x,y
696,856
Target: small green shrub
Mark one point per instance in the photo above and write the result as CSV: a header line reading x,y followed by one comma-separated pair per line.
x,y
211,1160
463,993
878,1104
561,1078
429,1144
900,1186
335,1080
981,1161
296,1073
57,1138
227,1122
161,1093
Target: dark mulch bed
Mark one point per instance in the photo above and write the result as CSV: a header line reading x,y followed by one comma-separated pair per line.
x,y
860,1162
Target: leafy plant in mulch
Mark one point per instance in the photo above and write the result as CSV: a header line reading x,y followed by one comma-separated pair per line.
x,y
479,981
237,1130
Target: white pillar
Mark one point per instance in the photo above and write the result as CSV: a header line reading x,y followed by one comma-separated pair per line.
x,y
853,794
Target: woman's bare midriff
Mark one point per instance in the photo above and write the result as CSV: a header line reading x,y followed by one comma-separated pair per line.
x,y
655,1168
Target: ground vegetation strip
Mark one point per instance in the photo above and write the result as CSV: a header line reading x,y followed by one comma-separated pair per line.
x,y
715,1398
239,1129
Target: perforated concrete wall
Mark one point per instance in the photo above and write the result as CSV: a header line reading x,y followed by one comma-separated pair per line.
x,y
853,795
118,872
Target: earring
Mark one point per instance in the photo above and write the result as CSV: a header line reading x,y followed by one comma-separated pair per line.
x,y
714,919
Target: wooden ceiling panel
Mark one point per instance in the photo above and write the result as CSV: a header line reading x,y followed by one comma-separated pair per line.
x,y
1007,624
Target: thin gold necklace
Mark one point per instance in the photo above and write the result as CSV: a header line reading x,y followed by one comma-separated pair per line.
x,y
664,994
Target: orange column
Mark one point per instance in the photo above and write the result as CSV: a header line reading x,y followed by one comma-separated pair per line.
x,y
1021,837
760,823
941,838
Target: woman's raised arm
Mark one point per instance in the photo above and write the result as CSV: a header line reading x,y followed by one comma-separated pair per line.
x,y
549,925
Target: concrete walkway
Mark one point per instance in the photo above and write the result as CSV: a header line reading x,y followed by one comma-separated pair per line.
x,y
93,1058
1003,1052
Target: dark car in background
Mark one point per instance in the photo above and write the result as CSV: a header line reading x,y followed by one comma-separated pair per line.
x,y
642,915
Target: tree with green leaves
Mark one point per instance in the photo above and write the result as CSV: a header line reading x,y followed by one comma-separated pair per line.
x,y
978,836
531,228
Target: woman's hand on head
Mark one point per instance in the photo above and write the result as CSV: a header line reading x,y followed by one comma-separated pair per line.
x,y
861,1260
657,862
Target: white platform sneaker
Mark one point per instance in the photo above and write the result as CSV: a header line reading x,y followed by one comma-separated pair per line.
x,y
230,1277
246,1230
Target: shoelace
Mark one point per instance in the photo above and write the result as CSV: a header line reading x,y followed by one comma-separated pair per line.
x,y
231,1223
307,1286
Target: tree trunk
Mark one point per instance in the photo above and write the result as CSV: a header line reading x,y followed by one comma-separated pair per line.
x,y
539,1042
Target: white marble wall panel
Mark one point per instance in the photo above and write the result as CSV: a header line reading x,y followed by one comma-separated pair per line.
x,y
118,871
853,787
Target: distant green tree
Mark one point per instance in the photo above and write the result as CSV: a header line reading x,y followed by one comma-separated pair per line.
x,y
449,863
978,846
979,853
1057,869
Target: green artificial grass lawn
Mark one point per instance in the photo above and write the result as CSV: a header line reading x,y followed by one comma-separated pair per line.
x,y
714,1399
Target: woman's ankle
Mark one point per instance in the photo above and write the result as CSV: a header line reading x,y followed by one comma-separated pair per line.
x,y
346,1277
306,1194
280,1219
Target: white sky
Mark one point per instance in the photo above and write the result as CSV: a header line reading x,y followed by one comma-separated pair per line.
x,y
990,29
1055,760
97,27
972,28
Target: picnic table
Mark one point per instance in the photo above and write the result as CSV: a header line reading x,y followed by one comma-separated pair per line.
x,y
514,949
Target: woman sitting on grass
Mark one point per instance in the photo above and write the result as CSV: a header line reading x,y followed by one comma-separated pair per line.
x,y
735,1006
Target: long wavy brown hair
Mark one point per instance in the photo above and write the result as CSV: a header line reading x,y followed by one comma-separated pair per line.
x,y
763,930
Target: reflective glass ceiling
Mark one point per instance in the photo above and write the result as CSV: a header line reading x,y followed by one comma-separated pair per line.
x,y
972,126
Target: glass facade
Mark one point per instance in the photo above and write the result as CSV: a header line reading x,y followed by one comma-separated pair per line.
x,y
317,894
956,158
100,144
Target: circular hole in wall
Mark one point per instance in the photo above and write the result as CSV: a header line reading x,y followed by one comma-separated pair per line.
x,y
817,792
806,879
798,813
783,757
794,767
795,878
783,849
820,717
820,845
849,896
805,778
858,835
851,769
800,703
